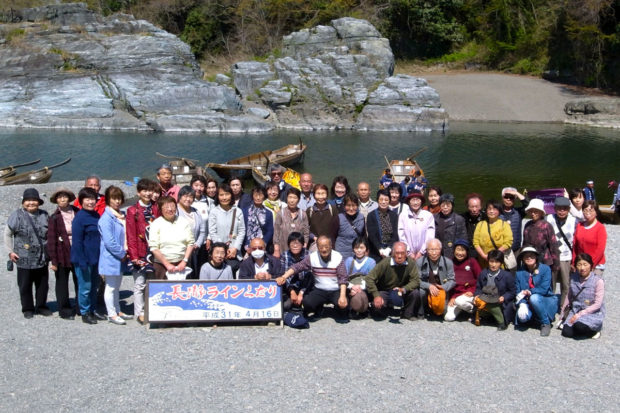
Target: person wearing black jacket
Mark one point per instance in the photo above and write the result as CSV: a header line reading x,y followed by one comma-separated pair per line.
x,y
382,237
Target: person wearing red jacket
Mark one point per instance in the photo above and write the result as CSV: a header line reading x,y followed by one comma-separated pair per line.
x,y
139,217
93,182
591,238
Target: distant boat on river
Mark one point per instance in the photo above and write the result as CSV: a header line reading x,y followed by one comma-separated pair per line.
x,y
183,169
39,176
11,170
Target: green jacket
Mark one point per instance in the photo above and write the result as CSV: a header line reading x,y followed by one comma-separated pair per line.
x,y
384,278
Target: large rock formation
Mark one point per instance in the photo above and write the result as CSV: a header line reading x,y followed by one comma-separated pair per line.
x,y
601,112
66,67
340,76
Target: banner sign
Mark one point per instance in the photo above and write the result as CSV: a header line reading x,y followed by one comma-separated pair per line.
x,y
196,300
548,196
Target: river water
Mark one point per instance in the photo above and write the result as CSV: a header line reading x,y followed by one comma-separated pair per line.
x,y
481,157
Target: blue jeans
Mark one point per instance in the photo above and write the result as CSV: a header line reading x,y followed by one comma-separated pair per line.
x,y
88,282
544,307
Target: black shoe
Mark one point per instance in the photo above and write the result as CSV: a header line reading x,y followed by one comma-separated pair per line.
x,y
45,312
410,318
88,319
28,314
98,316
502,327
68,317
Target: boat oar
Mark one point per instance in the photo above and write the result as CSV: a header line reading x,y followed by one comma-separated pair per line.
x,y
388,163
21,164
412,157
52,167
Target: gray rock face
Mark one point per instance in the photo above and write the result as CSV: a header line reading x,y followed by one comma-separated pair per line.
x,y
80,70
601,112
340,76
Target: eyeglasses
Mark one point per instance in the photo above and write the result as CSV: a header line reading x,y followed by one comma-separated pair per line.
x,y
276,173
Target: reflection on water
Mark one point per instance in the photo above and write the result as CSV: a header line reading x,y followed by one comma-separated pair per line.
x,y
482,157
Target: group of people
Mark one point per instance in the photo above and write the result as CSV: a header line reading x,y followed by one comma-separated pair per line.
x,y
406,253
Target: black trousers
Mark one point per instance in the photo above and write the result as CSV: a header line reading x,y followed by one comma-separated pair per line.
x,y
26,278
411,302
62,290
315,299
577,330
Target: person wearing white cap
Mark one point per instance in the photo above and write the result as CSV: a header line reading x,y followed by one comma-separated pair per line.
x,y
589,191
539,234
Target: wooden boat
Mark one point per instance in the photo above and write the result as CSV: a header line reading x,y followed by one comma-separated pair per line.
x,y
242,167
183,169
259,173
403,168
39,176
11,170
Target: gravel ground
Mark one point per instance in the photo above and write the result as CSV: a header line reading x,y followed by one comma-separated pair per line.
x,y
50,364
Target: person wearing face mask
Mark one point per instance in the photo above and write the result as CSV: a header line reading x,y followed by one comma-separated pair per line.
x,y
436,279
259,265
25,237
473,216
449,226
59,249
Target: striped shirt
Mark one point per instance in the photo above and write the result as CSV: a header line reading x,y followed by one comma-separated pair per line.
x,y
328,276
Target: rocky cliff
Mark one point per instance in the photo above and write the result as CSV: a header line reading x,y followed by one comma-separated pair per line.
x,y
63,66
601,112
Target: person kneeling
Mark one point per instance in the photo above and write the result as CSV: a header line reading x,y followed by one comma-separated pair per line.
x,y
330,280
436,280
217,268
466,272
495,292
259,265
394,282
535,296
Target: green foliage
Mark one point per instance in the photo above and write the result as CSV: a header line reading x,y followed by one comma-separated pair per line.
x,y
14,34
207,27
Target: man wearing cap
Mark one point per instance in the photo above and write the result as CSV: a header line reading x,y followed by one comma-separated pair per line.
x,y
394,282
307,198
563,224
513,215
472,216
366,204
449,226
276,174
25,237
94,182
436,279
589,191
164,178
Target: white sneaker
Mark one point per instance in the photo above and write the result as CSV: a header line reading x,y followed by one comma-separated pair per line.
x,y
117,320
596,336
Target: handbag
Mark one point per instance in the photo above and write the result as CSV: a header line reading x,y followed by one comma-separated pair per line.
x,y
510,261
569,307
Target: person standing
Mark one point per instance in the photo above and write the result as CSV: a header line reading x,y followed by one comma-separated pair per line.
x,y
94,182
382,227
367,205
289,219
25,237
513,215
351,226
307,198
589,191
166,186
227,225
59,235
449,226
276,175
564,227
473,216
538,233
416,226
186,211
591,237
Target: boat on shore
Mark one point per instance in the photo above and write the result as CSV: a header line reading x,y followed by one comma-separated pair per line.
x,y
401,168
39,176
11,170
242,167
259,174
183,169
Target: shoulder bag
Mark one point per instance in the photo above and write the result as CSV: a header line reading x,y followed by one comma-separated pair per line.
x,y
510,261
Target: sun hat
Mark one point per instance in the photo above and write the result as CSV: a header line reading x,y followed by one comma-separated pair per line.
x,y
31,193
526,249
62,191
536,204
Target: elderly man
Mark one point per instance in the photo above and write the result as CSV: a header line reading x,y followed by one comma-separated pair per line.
x,y
94,182
166,186
513,215
472,216
307,198
259,265
366,204
394,282
276,173
436,279
330,279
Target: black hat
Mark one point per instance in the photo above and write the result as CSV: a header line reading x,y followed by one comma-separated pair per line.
x,y
31,193
561,201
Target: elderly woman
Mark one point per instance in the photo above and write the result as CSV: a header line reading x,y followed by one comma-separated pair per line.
x,y
241,199
351,226
416,226
290,219
186,211
171,240
85,254
322,217
258,220
59,249
492,233
340,188
539,234
584,306
273,202
276,175
25,236
434,200
382,227
449,226
113,255
534,294
591,237
466,272
227,225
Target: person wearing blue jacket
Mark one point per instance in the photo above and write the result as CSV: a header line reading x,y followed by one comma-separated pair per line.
x,y
534,293
85,254
113,256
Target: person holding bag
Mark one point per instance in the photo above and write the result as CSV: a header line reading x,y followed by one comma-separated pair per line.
x,y
494,234
226,224
25,237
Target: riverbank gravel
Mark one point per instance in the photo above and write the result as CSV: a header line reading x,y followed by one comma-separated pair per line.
x,y
51,364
